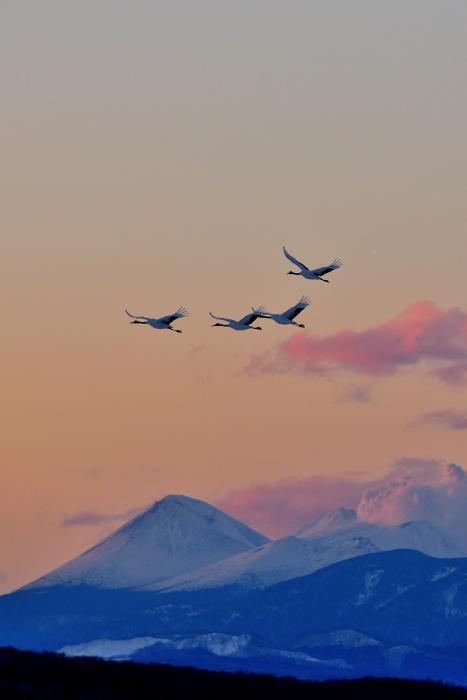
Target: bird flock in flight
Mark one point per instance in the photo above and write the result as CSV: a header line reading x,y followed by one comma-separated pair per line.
x,y
285,318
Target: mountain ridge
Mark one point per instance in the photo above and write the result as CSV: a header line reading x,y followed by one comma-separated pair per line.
x,y
335,537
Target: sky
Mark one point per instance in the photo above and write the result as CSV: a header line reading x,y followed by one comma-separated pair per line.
x,y
160,153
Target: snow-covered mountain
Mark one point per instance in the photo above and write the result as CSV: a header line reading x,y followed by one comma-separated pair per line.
x,y
183,544
178,534
184,584
351,537
263,566
327,522
334,537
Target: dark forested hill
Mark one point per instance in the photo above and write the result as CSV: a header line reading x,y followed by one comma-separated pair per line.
x,y
39,676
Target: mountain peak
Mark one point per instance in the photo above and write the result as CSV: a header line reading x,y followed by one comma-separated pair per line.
x,y
178,498
332,520
176,535
174,500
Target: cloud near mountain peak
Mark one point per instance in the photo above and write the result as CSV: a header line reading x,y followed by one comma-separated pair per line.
x,y
412,489
437,495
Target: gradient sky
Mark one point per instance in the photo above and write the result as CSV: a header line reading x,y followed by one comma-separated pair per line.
x,y
157,154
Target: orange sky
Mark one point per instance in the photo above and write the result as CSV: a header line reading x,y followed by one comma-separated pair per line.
x,y
160,154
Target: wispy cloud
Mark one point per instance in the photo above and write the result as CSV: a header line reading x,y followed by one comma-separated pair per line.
x,y
95,518
356,394
448,419
421,333
455,375
415,467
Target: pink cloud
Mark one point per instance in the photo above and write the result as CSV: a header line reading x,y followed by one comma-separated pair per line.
x,y
412,489
420,333
282,507
449,419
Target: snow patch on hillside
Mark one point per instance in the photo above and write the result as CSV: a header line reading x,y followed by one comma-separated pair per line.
x,y
108,648
348,639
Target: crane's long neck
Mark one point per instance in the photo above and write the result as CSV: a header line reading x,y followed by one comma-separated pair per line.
x,y
137,321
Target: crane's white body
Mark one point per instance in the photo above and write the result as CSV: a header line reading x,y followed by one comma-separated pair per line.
x,y
244,323
315,274
163,323
286,318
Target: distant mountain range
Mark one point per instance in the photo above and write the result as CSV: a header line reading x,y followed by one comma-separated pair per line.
x,y
188,584
335,537
181,543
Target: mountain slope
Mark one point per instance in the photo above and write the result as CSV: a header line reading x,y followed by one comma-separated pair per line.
x,y
178,534
264,566
335,537
396,597
390,612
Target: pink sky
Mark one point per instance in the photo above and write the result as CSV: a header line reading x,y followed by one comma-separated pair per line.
x,y
165,163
